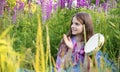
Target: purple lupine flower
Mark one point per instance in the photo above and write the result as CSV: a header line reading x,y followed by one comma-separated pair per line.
x,y
105,6
55,6
61,3
2,4
89,1
15,14
48,8
41,1
81,3
87,4
21,5
69,3
43,10
84,3
78,3
97,2
38,2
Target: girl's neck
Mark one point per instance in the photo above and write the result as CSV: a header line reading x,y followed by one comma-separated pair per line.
x,y
79,41
78,38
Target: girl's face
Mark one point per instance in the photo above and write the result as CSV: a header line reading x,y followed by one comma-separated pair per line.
x,y
76,27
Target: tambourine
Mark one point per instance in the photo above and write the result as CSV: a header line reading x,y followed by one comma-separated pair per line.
x,y
94,44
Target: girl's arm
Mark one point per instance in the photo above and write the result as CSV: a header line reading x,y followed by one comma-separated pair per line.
x,y
65,51
69,44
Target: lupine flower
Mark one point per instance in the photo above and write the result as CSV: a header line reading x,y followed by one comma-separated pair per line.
x,y
87,4
81,3
42,4
78,3
105,6
61,3
38,2
55,6
15,14
89,1
48,8
21,5
43,11
97,2
69,3
2,4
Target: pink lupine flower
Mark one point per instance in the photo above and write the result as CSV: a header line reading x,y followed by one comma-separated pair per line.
x,y
97,2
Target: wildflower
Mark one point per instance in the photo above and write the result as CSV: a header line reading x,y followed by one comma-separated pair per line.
x,y
15,14
61,3
48,8
97,2
21,5
2,3
69,3
105,6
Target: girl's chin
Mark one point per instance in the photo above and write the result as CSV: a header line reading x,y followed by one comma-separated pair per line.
x,y
73,33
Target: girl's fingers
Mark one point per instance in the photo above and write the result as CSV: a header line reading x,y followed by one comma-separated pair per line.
x,y
67,41
69,38
64,37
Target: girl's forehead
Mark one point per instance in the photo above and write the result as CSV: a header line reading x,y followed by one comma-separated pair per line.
x,y
74,18
78,20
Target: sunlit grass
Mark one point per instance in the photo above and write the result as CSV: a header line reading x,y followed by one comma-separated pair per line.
x,y
9,59
43,58
40,55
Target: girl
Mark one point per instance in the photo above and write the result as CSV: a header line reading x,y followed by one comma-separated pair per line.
x,y
71,56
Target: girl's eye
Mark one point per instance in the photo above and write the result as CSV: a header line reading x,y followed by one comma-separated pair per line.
x,y
77,24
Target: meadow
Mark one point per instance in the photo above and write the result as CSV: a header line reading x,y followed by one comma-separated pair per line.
x,y
31,31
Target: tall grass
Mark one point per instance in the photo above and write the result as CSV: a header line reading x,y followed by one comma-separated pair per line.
x,y
9,59
43,57
39,58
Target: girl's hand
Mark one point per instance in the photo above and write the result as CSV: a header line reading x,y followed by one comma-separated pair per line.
x,y
68,41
